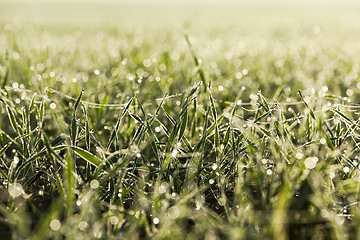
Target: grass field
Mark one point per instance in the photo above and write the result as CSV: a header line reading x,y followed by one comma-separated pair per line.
x,y
179,121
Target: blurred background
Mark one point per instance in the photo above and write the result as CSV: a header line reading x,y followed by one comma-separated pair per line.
x,y
227,35
169,12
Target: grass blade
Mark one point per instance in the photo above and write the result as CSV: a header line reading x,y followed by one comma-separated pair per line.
x,y
87,156
73,121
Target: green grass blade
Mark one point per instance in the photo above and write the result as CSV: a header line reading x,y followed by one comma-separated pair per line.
x,y
116,129
183,125
74,128
87,156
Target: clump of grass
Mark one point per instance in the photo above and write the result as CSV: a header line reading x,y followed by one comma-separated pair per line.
x,y
141,154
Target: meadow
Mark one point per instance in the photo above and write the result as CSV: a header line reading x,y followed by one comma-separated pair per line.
x,y
179,121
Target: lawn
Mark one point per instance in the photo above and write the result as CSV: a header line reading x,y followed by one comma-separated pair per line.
x,y
179,121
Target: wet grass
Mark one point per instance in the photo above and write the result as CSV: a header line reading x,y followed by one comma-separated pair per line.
x,y
224,133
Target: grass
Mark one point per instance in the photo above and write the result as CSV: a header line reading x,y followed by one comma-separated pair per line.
x,y
219,133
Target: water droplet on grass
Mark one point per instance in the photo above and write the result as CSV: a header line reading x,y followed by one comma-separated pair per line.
x,y
147,63
349,92
97,234
174,153
299,155
94,184
214,166
15,189
254,97
40,67
174,212
16,160
114,220
16,55
156,221
310,162
83,225
52,105
162,189
222,201
238,75
162,67
15,85
55,225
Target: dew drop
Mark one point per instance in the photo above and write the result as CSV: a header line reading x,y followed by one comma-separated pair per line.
x,y
52,105
349,92
162,189
15,85
114,220
156,221
55,225
310,162
174,153
94,184
299,155
214,166
15,189
238,75
83,225
222,201
174,212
